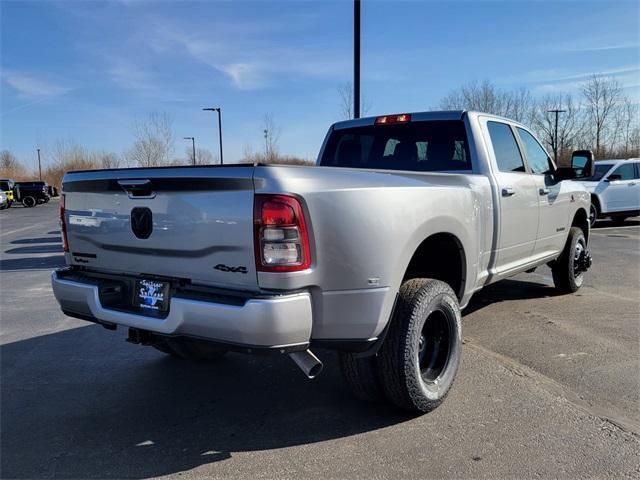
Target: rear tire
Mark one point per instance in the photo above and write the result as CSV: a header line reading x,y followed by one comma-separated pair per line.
x,y
29,202
196,350
419,358
361,374
566,277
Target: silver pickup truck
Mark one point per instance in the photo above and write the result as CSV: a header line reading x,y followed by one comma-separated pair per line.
x,y
371,253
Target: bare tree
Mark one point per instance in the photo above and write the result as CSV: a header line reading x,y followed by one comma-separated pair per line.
x,y
486,97
602,97
271,138
154,143
107,160
203,157
10,167
346,102
570,123
629,128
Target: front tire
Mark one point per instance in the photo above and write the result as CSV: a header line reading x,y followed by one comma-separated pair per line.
x,y
29,202
420,356
593,215
566,271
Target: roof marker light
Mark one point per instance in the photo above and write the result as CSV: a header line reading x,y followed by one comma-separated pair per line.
x,y
387,119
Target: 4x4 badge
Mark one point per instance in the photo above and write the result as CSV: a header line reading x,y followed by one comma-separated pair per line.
x,y
225,268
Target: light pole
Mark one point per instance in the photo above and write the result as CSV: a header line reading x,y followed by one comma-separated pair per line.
x,y
219,110
39,166
356,59
193,145
555,138
266,143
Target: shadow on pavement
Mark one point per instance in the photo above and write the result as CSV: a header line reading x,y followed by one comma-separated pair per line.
x,y
634,222
82,403
36,249
32,263
24,241
506,290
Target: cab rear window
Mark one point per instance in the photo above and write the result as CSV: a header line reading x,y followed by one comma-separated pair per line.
x,y
430,146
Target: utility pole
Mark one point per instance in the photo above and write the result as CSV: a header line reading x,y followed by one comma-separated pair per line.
x,y
193,145
555,137
356,59
39,166
219,110
266,143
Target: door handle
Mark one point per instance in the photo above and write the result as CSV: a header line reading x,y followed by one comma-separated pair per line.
x,y
543,191
137,188
508,191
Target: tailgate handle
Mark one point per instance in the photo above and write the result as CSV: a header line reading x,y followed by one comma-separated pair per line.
x,y
137,188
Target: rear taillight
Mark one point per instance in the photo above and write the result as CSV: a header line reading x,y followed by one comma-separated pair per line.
x,y
63,225
280,234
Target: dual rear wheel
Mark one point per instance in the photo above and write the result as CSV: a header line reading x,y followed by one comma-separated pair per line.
x,y
417,363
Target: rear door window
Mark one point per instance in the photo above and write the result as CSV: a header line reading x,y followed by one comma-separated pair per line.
x,y
505,148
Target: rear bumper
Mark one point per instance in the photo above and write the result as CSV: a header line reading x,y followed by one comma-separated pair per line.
x,y
273,322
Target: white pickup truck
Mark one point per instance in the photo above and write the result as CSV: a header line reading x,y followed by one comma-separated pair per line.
x,y
372,252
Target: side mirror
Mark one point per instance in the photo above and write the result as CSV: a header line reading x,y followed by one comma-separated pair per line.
x,y
582,166
613,177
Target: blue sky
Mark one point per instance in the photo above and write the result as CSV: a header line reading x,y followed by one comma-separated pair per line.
x,y
84,71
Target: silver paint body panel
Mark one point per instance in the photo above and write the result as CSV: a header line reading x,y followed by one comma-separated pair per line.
x,y
364,227
282,321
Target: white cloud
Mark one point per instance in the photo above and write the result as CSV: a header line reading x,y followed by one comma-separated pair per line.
x,y
246,76
600,48
250,63
29,86
128,76
560,79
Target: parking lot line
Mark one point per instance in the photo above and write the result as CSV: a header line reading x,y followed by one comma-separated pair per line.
x,y
595,230
4,234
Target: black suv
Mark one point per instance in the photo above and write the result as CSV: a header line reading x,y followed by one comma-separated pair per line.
x,y
31,193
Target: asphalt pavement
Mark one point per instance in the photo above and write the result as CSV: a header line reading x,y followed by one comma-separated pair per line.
x,y
549,387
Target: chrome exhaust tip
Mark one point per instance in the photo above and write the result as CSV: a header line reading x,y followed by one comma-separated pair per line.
x,y
307,362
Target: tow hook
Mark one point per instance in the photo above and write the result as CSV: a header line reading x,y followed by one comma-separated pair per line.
x,y
140,337
584,261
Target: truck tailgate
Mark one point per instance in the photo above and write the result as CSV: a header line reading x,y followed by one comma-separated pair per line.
x,y
193,223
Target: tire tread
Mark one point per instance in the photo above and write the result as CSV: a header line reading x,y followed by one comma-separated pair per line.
x,y
398,387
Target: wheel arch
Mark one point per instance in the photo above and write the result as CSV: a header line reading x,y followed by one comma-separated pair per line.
x,y
440,256
596,201
581,220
